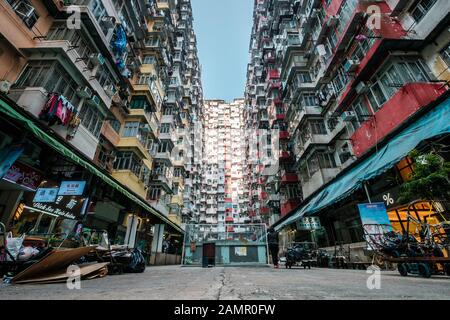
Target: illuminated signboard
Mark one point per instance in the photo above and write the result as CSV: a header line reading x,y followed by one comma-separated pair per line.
x,y
72,188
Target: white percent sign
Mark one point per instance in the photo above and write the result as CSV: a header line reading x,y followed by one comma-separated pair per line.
x,y
389,200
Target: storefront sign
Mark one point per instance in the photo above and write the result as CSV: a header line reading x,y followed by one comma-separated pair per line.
x,y
65,206
46,195
72,188
8,156
24,176
375,221
373,213
309,223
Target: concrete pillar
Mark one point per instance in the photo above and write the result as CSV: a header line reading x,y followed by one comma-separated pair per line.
x,y
132,227
158,235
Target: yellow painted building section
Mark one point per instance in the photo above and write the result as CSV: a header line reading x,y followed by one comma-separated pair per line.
x,y
129,179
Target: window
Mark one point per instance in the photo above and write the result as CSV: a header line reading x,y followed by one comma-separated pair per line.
x,y
128,161
421,8
317,127
149,60
154,193
175,189
165,128
52,77
446,55
177,172
345,14
389,80
308,99
131,129
25,11
139,102
340,80
362,112
326,160
92,120
115,125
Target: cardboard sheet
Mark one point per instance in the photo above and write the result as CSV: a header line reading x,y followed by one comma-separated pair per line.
x,y
87,271
52,263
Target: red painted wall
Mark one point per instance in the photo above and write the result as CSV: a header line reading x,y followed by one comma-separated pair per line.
x,y
407,101
289,206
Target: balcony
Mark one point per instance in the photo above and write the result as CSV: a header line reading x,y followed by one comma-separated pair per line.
x,y
264,211
402,105
33,99
285,156
284,135
263,195
162,180
289,206
301,114
165,155
318,179
273,75
287,177
61,49
168,136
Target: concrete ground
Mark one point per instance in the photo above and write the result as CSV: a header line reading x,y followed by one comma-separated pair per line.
x,y
175,282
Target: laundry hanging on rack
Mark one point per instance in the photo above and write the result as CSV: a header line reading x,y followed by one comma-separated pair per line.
x,y
57,110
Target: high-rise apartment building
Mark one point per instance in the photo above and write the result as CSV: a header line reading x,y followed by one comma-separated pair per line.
x,y
223,188
120,82
342,80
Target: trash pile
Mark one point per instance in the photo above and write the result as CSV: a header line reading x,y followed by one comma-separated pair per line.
x,y
31,260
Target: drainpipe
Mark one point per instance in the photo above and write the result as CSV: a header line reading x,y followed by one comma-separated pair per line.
x,y
367,191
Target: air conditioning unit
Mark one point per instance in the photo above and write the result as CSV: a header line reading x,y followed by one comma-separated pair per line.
x,y
96,59
110,90
348,115
351,65
5,86
94,101
361,88
109,22
84,92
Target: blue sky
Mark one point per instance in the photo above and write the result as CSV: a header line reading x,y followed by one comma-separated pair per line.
x,y
223,30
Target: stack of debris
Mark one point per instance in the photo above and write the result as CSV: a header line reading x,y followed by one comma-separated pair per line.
x,y
55,267
31,260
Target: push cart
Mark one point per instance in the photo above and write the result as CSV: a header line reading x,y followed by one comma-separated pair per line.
x,y
425,255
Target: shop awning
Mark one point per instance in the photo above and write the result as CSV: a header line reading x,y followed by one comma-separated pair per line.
x,y
434,123
30,124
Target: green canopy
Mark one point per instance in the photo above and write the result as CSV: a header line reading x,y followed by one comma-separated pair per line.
x,y
31,125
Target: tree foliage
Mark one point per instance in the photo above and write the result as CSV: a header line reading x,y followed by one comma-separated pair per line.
x,y
430,179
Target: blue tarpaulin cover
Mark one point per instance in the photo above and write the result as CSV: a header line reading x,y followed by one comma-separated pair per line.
x,y
434,123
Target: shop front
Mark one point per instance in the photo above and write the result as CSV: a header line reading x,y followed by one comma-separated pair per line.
x,y
50,189
378,178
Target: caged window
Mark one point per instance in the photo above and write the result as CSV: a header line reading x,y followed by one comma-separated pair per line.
x,y
25,10
419,11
